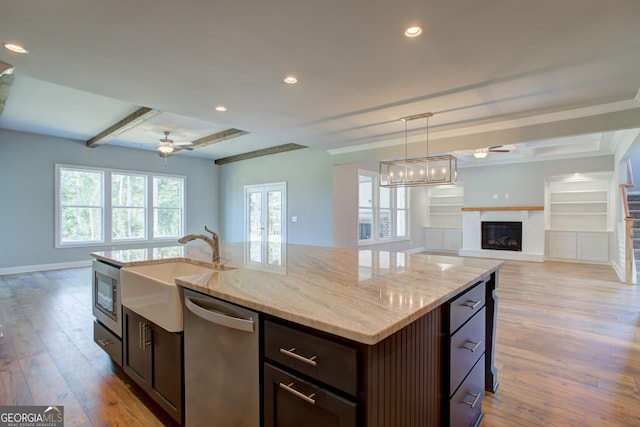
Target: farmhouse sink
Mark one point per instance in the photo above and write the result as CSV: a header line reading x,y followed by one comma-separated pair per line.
x,y
151,291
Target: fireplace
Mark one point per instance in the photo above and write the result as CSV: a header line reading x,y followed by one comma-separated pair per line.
x,y
502,235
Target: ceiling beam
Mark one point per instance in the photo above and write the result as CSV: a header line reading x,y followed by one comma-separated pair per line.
x,y
6,81
132,120
217,137
259,153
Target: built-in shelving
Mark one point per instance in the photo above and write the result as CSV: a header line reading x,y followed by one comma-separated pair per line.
x,y
578,217
579,202
445,203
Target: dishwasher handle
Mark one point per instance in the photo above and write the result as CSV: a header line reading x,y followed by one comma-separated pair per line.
x,y
216,312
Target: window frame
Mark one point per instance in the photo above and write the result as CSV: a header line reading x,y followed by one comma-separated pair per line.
x,y
107,208
376,212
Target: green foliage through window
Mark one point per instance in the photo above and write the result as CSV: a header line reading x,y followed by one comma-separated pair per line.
x,y
90,199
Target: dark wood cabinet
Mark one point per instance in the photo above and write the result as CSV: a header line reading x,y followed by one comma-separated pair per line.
x,y
153,359
292,402
466,349
325,365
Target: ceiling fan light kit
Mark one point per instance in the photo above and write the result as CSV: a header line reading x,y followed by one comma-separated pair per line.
x,y
419,171
167,146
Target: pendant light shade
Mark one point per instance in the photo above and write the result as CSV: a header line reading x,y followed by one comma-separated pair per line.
x,y
419,171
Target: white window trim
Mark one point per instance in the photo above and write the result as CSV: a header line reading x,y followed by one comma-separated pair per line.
x,y
376,213
106,215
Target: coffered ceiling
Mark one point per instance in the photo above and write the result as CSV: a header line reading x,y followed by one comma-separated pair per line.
x,y
533,75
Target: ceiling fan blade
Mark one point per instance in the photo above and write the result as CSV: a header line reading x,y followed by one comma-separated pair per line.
x,y
183,143
498,151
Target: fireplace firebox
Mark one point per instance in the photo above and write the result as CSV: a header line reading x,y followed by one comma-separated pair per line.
x,y
502,235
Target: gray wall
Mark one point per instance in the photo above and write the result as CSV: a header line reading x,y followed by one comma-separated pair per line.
x,y
307,173
522,182
27,192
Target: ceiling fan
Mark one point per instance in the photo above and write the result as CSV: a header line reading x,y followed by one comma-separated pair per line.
x,y
166,146
481,153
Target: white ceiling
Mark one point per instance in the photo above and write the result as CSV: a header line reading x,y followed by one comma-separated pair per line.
x,y
480,66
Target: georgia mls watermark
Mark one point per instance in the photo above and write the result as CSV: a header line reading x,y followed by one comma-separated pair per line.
x,y
31,416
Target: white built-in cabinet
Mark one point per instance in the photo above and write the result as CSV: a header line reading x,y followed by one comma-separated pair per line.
x,y
444,218
578,217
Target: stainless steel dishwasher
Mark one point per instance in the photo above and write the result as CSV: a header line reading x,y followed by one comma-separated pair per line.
x,y
221,363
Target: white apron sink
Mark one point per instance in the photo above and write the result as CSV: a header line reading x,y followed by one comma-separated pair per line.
x,y
151,291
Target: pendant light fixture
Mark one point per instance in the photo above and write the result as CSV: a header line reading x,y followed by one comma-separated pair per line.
x,y
419,171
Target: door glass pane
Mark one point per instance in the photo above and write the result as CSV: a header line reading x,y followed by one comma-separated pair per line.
x,y
274,227
255,227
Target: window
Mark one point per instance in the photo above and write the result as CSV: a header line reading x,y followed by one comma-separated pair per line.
x,y
80,206
168,196
383,213
104,206
128,206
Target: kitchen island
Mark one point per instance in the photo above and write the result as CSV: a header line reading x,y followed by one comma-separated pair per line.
x,y
396,321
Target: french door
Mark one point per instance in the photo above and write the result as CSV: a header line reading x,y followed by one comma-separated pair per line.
x,y
265,224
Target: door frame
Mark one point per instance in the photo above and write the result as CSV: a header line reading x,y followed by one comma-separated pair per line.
x,y
265,188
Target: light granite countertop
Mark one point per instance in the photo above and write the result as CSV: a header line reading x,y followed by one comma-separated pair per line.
x,y
363,295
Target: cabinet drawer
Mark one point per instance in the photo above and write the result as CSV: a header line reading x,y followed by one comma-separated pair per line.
x,y
327,361
466,404
467,345
108,342
290,401
465,306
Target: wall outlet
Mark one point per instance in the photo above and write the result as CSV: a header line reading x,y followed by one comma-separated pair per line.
x,y
506,196
294,219
495,197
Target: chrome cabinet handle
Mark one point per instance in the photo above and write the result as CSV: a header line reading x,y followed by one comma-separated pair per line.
x,y
475,345
296,393
308,360
475,396
106,342
472,304
140,335
146,340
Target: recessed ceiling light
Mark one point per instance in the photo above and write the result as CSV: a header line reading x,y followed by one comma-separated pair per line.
x,y
290,80
221,108
414,31
15,48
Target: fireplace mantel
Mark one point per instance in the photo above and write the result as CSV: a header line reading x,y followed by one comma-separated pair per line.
x,y
504,208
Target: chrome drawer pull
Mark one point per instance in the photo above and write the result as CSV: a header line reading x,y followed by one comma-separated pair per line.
x,y
295,392
475,345
472,304
106,342
308,360
475,396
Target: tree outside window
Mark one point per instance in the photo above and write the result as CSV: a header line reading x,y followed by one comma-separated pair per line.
x,y
103,206
80,205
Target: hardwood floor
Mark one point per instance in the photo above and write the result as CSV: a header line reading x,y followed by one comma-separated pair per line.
x,y
47,354
567,350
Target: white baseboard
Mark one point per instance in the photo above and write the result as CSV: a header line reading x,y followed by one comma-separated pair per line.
x,y
44,267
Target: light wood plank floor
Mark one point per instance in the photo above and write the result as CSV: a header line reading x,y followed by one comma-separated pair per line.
x,y
567,350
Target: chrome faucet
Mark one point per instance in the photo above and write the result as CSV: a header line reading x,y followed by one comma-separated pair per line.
x,y
214,243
